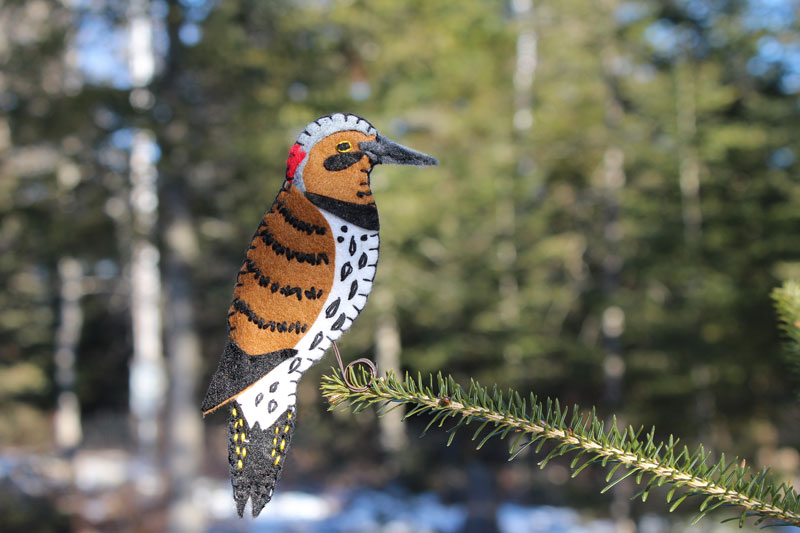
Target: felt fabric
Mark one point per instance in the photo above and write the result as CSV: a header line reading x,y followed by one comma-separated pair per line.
x,y
287,273
296,156
384,151
342,161
306,277
348,179
321,128
256,456
238,371
364,216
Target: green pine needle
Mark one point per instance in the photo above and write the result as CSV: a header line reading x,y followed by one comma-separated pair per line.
x,y
728,483
536,422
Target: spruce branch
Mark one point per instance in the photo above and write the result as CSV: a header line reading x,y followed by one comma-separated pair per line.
x,y
532,423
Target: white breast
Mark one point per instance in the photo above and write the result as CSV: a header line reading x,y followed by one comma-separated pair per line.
x,y
356,263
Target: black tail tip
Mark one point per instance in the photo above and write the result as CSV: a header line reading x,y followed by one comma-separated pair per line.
x,y
256,458
258,503
240,503
258,500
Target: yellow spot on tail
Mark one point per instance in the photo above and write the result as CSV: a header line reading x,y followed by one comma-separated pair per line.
x,y
286,429
275,441
244,452
289,416
236,437
272,454
233,412
277,460
283,444
276,431
240,464
238,451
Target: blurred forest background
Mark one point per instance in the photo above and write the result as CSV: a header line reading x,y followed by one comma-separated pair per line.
x,y
617,194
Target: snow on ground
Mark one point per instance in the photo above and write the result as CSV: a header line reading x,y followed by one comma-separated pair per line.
x,y
393,511
101,477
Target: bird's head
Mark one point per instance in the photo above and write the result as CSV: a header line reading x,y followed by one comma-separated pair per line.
x,y
334,156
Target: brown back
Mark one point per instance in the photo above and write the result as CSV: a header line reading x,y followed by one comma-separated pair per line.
x,y
286,276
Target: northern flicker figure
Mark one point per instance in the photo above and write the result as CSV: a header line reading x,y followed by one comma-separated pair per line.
x,y
306,277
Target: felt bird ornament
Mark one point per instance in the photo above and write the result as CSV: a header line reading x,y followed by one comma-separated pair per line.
x,y
306,277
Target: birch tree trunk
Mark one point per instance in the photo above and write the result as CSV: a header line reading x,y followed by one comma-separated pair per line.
x,y
506,183
147,374
393,437
185,437
184,428
689,167
67,422
688,162
612,182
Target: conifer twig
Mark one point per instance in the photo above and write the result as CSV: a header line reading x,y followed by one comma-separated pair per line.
x,y
533,422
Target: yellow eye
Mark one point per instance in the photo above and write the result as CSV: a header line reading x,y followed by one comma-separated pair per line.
x,y
344,147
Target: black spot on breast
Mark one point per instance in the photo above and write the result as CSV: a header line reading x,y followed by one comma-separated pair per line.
x,y
352,248
272,406
317,340
259,398
339,323
295,364
353,289
362,261
332,308
347,269
273,387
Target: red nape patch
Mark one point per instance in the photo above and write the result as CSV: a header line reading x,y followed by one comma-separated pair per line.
x,y
296,154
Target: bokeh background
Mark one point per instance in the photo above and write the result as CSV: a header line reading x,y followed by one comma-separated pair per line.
x,y
617,194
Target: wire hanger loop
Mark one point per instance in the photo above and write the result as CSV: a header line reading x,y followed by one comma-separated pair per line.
x,y
373,370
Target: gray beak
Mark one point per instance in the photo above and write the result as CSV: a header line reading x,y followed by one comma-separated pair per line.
x,y
382,150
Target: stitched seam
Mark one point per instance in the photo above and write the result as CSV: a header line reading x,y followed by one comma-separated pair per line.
x,y
241,306
296,223
301,257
